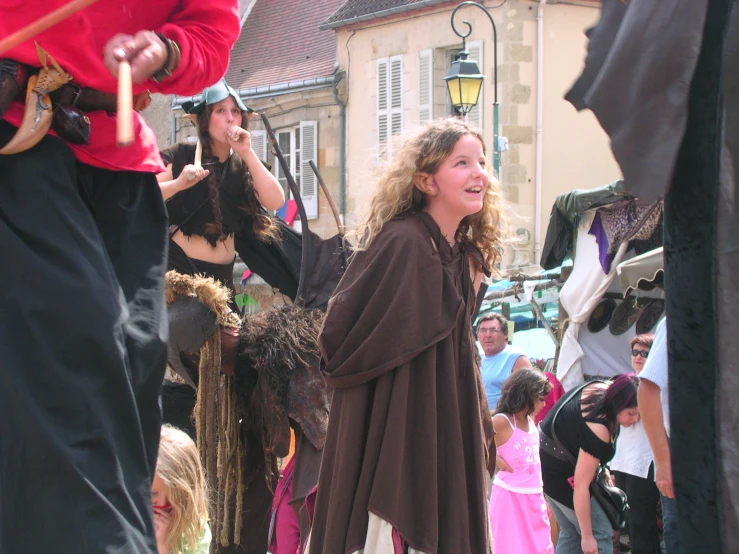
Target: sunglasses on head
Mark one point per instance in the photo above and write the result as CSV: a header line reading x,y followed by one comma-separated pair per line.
x,y
642,353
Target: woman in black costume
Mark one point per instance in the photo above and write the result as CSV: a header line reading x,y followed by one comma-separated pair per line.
x,y
208,204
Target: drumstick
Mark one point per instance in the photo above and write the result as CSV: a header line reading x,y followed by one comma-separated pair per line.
x,y
198,154
43,23
124,114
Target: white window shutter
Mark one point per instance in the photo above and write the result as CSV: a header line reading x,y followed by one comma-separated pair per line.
x,y
396,95
382,106
259,144
425,86
475,116
308,179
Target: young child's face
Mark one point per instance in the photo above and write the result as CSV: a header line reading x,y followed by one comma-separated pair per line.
x,y
158,492
462,178
539,404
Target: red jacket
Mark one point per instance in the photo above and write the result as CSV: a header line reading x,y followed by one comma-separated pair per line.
x,y
204,29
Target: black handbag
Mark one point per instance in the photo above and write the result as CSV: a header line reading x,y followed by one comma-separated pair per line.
x,y
612,499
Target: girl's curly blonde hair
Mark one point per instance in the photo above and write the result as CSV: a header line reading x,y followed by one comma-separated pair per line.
x,y
396,194
179,467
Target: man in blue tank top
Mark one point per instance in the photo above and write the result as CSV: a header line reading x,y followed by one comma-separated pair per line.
x,y
500,359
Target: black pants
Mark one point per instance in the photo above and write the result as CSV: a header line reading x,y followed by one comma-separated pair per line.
x,y
82,344
643,496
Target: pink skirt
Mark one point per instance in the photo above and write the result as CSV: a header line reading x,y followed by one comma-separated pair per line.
x,y
519,523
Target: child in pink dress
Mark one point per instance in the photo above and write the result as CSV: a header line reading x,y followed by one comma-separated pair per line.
x,y
518,512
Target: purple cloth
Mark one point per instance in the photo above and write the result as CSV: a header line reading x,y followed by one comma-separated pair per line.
x,y
597,230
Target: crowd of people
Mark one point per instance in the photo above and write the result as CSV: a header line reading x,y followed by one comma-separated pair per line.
x,y
595,427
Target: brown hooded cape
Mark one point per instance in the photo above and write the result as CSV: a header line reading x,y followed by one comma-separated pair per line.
x,y
409,427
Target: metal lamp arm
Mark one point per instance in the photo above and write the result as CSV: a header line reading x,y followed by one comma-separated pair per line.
x,y
464,36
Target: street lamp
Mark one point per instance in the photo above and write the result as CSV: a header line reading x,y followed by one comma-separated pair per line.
x,y
464,83
465,80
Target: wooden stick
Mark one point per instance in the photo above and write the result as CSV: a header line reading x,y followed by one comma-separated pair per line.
x,y
538,313
43,23
124,114
198,154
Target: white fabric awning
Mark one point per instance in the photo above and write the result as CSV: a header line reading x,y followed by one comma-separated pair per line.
x,y
641,271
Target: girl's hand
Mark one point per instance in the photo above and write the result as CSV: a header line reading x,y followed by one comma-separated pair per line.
x,y
589,545
239,139
502,465
162,523
191,175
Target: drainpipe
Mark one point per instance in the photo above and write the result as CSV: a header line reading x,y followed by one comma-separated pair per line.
x,y
173,129
539,125
342,148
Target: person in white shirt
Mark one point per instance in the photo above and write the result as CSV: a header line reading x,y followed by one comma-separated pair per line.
x,y
633,467
654,404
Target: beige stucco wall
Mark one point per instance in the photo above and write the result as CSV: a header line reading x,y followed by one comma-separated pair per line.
x,y
576,153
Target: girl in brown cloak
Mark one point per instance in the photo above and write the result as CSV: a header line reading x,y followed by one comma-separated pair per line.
x,y
409,435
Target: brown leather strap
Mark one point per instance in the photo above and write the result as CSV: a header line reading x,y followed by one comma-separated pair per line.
x,y
89,100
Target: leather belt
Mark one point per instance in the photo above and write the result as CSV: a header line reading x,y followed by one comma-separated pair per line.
x,y
89,100
550,447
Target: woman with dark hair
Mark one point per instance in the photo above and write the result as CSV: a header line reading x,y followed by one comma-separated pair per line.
x,y
207,204
518,512
633,469
587,425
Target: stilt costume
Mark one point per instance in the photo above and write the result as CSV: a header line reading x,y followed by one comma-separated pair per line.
x,y
83,239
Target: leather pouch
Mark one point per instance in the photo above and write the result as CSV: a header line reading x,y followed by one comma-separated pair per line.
x,y
71,124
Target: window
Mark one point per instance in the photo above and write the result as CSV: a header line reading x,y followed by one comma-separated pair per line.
x,y
389,101
299,146
425,86
284,140
259,144
475,116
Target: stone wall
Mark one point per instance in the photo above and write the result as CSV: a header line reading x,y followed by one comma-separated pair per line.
x,y
159,117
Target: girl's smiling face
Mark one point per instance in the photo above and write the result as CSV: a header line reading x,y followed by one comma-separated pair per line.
x,y
461,180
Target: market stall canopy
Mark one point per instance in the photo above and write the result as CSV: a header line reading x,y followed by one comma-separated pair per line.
x,y
567,208
642,272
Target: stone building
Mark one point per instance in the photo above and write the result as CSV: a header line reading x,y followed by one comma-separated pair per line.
x,y
395,54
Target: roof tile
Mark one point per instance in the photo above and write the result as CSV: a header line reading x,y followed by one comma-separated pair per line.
x,y
357,8
281,42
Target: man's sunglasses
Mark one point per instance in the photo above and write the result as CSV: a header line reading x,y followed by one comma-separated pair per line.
x,y
642,353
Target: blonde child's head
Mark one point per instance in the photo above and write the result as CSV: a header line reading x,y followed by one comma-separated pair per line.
x,y
180,473
397,191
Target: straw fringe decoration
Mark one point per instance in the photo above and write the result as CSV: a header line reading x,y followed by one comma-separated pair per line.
x,y
219,437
